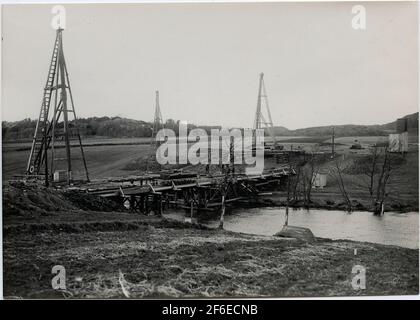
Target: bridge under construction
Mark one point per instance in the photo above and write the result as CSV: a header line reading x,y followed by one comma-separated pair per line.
x,y
156,192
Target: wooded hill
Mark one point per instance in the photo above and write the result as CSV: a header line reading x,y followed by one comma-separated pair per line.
x,y
117,127
113,127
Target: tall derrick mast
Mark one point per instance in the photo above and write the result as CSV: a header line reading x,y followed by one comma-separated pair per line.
x,y
57,132
157,125
260,122
157,122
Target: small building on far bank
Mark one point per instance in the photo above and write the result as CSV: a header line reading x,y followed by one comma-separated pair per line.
x,y
398,142
319,180
408,124
406,132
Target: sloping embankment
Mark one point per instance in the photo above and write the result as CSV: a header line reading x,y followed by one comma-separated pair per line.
x,y
118,255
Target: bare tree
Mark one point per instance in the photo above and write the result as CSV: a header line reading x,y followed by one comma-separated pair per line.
x,y
295,183
227,180
290,167
337,173
224,188
377,169
309,173
369,170
294,165
383,178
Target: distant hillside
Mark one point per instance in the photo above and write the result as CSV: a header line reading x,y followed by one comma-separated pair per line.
x,y
117,127
114,127
413,123
351,129
96,126
340,131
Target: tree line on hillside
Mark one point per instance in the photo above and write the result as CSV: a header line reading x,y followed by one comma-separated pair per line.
x,y
349,130
113,127
117,127
340,131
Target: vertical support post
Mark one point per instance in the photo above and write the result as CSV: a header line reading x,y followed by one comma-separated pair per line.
x,y
146,204
192,210
160,211
46,147
75,122
64,108
222,215
142,204
132,203
286,222
54,120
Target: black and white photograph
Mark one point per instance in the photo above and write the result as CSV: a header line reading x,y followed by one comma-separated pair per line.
x,y
210,150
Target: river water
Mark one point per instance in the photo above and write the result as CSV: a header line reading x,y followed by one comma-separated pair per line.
x,y
401,229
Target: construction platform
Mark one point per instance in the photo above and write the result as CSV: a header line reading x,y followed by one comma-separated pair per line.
x,y
157,191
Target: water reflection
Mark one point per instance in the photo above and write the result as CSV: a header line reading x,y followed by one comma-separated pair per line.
x,y
401,229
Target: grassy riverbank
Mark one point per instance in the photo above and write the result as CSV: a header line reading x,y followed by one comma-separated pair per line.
x,y
107,254
110,253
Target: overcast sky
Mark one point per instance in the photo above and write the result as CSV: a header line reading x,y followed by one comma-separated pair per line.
x,y
205,60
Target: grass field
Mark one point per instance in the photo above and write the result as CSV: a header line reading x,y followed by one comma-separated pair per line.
x,y
102,160
112,157
108,156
